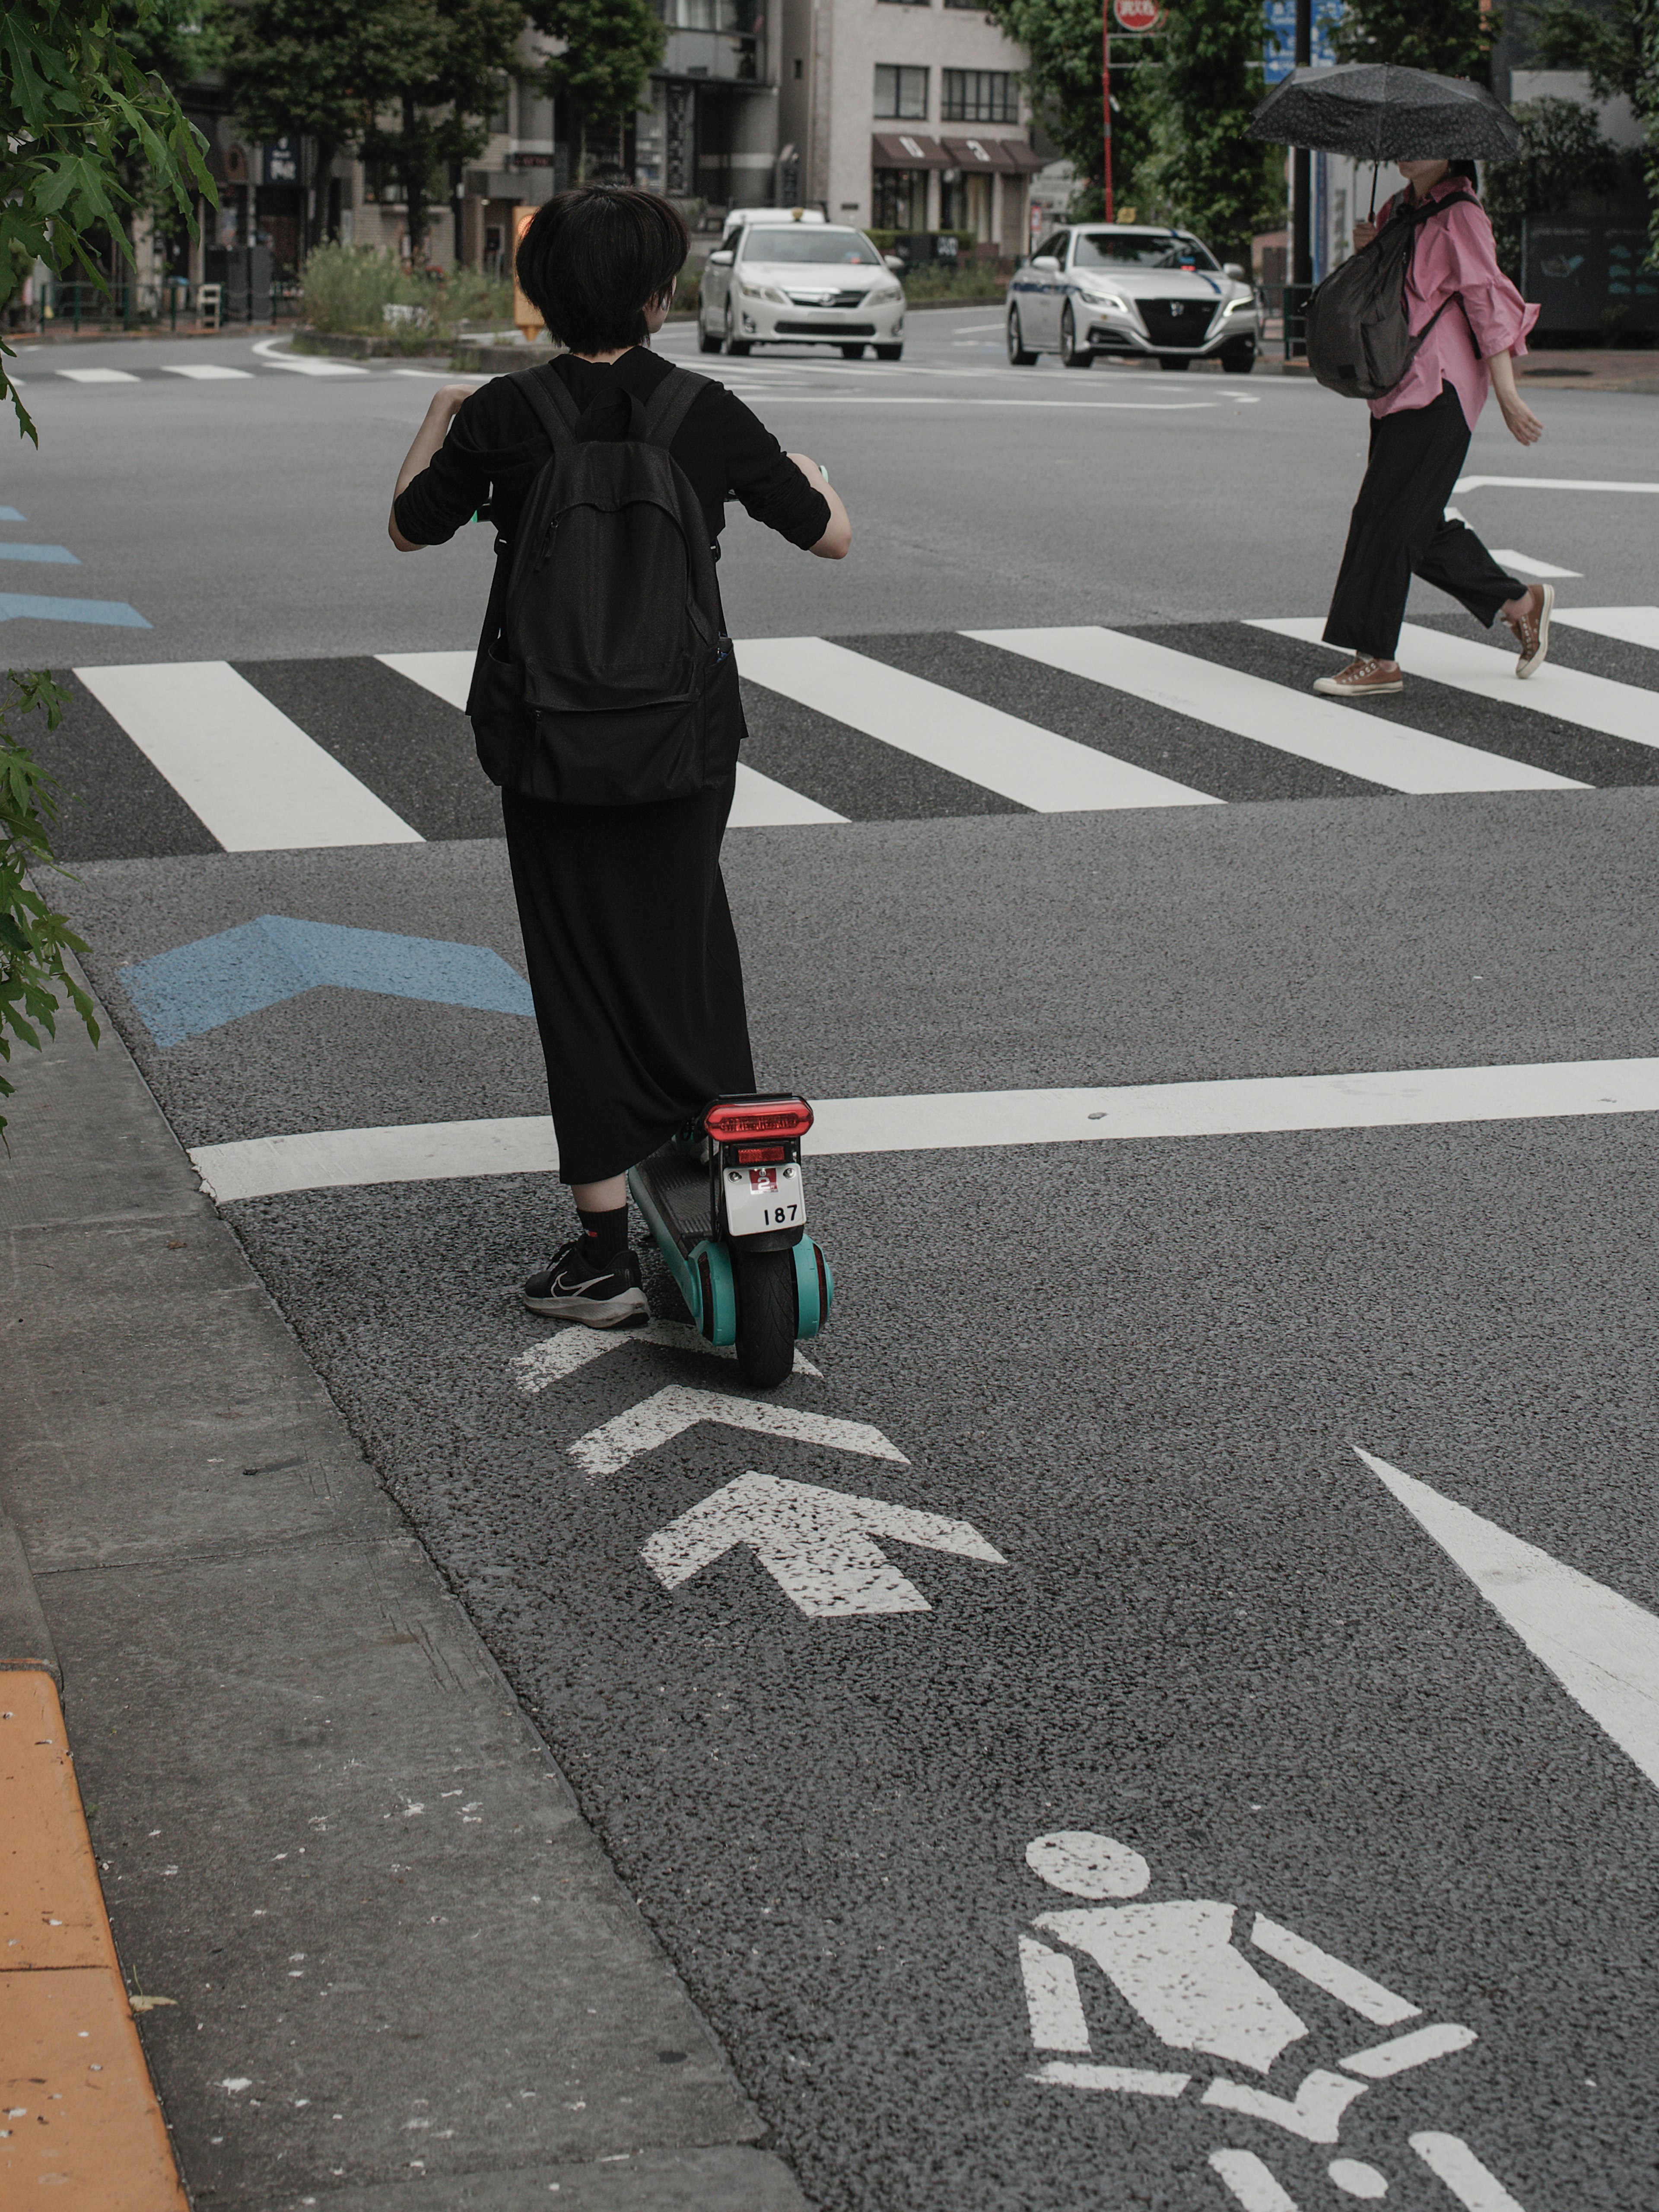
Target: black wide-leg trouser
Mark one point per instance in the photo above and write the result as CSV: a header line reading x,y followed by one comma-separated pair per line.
x,y
1398,530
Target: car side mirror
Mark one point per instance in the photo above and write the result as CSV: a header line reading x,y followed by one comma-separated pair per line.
x,y
722,259
894,263
1047,263
1232,269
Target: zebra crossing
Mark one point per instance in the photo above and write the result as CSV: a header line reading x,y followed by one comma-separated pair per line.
x,y
204,757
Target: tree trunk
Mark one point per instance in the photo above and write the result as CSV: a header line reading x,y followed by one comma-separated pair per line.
x,y
412,174
321,174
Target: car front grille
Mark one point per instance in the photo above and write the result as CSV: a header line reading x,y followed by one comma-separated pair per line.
x,y
1175,322
829,300
837,330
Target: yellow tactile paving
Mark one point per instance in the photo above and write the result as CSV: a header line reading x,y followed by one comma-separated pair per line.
x,y
78,2117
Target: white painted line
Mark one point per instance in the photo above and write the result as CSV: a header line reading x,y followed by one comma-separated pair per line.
x,y
1001,753
1052,1998
760,803
447,676
1546,484
1603,1649
1386,753
1337,1978
1449,2159
1631,625
342,1160
1384,2060
533,1370
1487,671
98,375
1126,2081
815,1543
206,371
312,365
949,1121
1250,2181
953,399
668,1413
254,777
1526,564
1315,2112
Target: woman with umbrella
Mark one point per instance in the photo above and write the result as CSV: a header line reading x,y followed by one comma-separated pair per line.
x,y
1474,325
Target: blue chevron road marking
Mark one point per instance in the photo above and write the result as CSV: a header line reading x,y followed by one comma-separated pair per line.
x,y
59,554
11,515
21,605
201,987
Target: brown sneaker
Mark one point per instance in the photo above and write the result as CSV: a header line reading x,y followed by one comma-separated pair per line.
x,y
1363,678
1532,628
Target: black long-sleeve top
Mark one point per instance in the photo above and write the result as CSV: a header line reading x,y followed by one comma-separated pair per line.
x,y
496,447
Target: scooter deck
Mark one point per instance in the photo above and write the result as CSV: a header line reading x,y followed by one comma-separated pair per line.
x,y
678,1183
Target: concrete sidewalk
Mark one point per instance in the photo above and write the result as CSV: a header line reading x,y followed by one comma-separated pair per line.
x,y
377,1957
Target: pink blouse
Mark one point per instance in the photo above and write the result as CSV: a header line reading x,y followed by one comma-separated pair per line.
x,y
1455,260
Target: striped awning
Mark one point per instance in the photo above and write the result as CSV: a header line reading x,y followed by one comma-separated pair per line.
x,y
905,149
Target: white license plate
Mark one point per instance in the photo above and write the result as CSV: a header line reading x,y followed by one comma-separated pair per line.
x,y
758,1199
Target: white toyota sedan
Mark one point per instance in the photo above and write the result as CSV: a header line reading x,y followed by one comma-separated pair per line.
x,y
800,283
1130,289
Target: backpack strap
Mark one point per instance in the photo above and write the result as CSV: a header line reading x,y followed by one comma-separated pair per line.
x,y
670,404
551,404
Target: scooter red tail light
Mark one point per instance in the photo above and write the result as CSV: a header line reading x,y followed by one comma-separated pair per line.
x,y
729,1124
754,1156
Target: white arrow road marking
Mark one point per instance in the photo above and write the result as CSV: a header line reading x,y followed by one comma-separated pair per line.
x,y
1250,2182
1315,2114
1127,2081
1449,2159
555,1357
1603,1649
1383,2060
815,1544
1052,1997
670,1413
1335,1976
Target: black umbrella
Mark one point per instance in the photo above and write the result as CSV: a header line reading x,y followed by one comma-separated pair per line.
x,y
1378,111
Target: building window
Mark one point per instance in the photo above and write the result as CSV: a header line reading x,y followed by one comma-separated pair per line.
x,y
901,93
910,3
979,96
900,199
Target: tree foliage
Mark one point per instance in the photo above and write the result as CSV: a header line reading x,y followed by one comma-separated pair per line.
x,y
1453,38
82,117
1564,157
1062,81
454,54
611,47
1619,46
34,937
1221,185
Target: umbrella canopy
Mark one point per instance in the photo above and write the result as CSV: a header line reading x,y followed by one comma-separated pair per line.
x,y
1377,112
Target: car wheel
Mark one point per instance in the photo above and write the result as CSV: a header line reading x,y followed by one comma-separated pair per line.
x,y
1072,355
1175,360
732,344
852,353
890,352
1238,359
707,341
1018,356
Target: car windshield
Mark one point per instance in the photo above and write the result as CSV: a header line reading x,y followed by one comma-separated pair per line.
x,y
1109,249
819,244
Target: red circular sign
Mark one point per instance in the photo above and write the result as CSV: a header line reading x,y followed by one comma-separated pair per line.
x,y
1137,15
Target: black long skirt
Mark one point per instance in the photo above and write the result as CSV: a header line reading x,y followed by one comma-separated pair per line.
x,y
634,967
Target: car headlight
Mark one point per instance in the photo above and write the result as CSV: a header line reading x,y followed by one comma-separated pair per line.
x,y
766,292
1240,307
1105,300
879,292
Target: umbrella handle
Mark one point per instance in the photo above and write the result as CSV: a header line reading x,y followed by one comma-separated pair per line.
x,y
1372,218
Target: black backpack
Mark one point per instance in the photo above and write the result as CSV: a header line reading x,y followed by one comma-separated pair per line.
x,y
605,678
1360,340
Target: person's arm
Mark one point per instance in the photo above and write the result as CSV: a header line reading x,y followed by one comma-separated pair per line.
x,y
435,429
836,542
1523,424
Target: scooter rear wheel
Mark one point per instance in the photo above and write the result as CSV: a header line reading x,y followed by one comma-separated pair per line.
x,y
766,1320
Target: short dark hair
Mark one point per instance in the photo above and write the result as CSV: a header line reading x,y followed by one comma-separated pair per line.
x,y
594,258
1467,171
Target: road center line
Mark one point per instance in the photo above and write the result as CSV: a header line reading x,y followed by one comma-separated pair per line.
x,y
431,1151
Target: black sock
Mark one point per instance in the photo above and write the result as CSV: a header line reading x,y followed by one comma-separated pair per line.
x,y
604,1235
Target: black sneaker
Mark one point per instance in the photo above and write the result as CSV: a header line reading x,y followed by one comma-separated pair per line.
x,y
603,1293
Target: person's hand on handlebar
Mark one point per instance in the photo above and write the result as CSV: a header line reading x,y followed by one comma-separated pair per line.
x,y
838,541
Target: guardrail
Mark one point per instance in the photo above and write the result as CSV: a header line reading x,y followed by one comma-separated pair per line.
x,y
1285,309
169,303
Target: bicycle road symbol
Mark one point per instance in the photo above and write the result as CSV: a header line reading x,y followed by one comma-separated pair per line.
x,y
1176,1967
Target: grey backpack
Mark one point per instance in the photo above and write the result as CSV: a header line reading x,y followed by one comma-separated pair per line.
x,y
1360,340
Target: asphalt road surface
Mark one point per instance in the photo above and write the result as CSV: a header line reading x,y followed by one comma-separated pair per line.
x,y
1235,1421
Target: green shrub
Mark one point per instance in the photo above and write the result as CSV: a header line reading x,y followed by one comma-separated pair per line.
x,y
349,289
977,281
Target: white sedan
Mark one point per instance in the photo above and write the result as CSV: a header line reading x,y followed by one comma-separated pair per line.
x,y
1097,290
800,283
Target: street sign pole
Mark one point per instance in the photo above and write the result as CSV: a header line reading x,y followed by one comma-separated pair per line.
x,y
1302,243
1106,95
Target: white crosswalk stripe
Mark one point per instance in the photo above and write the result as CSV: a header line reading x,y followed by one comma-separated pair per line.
x,y
253,777
1630,625
1017,760
206,371
1386,753
100,376
1594,703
